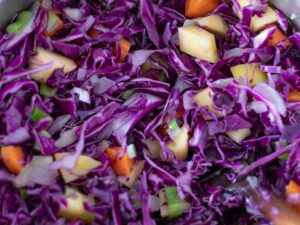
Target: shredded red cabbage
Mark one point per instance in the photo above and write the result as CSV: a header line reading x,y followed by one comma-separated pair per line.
x,y
138,101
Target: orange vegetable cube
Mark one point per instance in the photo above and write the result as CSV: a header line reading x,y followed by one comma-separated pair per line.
x,y
197,8
277,37
13,158
293,188
294,96
122,166
124,47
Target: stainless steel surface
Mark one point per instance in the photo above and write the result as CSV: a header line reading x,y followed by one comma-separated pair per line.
x,y
291,8
8,8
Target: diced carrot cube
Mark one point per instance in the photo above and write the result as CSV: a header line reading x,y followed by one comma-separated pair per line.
x,y
294,96
278,37
197,8
13,158
122,166
124,47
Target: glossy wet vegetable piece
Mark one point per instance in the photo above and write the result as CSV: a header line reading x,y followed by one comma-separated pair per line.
x,y
84,165
292,190
278,38
22,20
121,164
74,208
54,24
198,42
197,8
38,114
54,60
171,206
258,23
13,158
122,49
214,24
251,71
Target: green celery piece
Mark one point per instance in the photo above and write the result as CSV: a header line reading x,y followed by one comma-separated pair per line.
x,y
20,23
131,151
137,203
24,194
127,94
173,125
283,145
36,146
13,28
284,156
47,91
45,134
37,114
24,17
174,202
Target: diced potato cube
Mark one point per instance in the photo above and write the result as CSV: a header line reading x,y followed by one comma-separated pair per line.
x,y
83,166
163,202
255,75
198,42
239,135
180,144
213,23
154,148
259,23
58,62
205,98
75,206
134,174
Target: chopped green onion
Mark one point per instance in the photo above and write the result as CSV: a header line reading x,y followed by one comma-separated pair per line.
x,y
38,114
36,146
173,125
137,203
24,194
24,16
174,202
127,94
284,156
13,27
131,151
20,23
45,134
47,91
104,144
161,76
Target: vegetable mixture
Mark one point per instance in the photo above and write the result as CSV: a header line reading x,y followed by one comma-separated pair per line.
x,y
147,112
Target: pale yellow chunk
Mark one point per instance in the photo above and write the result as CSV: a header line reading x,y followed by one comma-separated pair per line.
x,y
180,144
163,202
259,23
154,148
75,206
58,62
198,42
239,135
134,174
213,23
255,75
83,166
205,98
